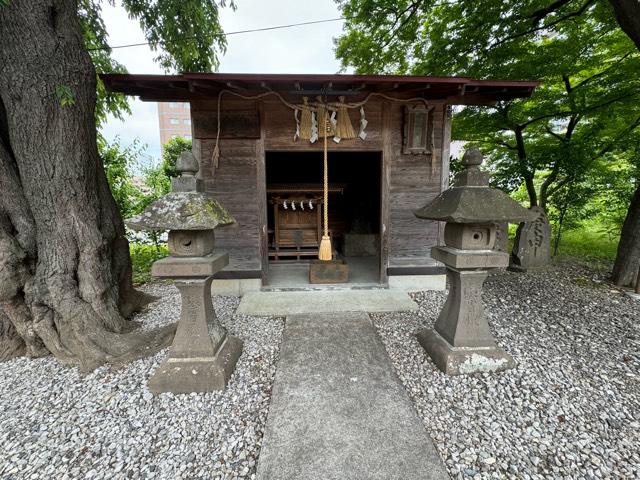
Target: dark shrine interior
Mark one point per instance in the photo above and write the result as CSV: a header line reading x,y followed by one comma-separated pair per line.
x,y
354,201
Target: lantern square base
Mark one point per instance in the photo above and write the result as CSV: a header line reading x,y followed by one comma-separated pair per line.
x,y
470,259
190,267
201,374
462,360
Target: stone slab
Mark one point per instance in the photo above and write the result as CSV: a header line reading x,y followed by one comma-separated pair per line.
x,y
235,287
299,302
417,283
338,409
532,245
462,360
186,375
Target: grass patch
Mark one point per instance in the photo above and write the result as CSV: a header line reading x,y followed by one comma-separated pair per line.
x,y
142,257
587,243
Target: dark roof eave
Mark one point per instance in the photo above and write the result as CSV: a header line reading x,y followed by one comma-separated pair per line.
x,y
188,86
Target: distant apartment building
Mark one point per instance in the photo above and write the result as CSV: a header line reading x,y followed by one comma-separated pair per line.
x,y
175,120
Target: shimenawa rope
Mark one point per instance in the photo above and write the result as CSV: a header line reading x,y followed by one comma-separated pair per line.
x,y
307,106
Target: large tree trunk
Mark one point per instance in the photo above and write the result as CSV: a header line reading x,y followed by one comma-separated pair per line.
x,y
65,272
628,17
627,261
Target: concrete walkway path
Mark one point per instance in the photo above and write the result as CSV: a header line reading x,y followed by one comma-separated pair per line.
x,y
290,303
339,411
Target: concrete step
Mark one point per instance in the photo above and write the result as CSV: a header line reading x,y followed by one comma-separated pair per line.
x,y
290,303
338,409
320,287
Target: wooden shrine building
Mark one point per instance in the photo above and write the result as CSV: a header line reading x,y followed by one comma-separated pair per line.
x,y
259,142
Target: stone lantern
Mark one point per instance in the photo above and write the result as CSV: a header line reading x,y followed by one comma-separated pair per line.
x,y
202,356
461,341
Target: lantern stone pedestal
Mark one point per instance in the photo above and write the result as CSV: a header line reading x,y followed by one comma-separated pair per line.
x,y
460,341
202,356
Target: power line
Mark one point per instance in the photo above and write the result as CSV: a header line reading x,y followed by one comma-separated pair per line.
x,y
264,29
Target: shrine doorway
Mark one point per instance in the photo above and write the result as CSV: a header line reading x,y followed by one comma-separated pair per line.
x,y
294,191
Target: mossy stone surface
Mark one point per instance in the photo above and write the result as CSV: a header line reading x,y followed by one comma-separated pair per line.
x,y
182,211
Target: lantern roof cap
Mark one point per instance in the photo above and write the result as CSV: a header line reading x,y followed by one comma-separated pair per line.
x,y
182,211
471,200
187,207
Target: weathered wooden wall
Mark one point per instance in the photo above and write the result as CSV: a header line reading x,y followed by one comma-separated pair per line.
x,y
234,183
253,127
414,180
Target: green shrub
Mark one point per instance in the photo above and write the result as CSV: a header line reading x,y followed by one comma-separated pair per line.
x,y
142,256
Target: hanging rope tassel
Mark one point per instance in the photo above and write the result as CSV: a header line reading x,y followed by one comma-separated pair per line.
x,y
344,129
306,120
325,251
323,119
215,156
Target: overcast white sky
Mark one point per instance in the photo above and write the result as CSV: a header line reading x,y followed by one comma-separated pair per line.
x,y
306,49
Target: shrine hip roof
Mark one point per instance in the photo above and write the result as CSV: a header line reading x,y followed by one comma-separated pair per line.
x,y
193,86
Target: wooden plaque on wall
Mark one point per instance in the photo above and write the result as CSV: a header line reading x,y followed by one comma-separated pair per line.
x,y
418,130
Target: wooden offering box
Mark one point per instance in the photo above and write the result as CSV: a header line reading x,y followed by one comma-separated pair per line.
x,y
328,271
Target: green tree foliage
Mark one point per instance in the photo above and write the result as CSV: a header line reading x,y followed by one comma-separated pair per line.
x,y
597,202
158,179
585,108
171,152
186,34
118,162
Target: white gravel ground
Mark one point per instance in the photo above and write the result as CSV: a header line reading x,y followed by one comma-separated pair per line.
x,y
55,424
571,408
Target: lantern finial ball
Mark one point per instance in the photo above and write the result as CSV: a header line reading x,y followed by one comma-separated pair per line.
x,y
187,164
472,157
